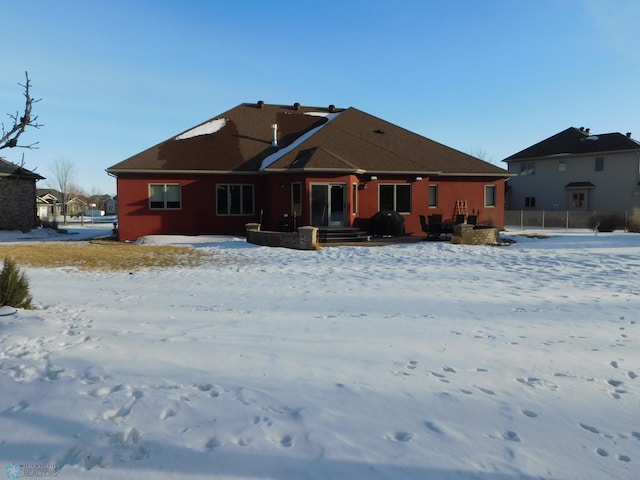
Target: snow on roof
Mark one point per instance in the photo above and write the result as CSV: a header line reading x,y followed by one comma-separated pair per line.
x,y
208,128
274,157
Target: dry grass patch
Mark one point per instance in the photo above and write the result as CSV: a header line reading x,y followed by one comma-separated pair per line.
x,y
102,255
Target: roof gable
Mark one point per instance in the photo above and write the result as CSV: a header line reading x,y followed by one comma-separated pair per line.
x,y
574,141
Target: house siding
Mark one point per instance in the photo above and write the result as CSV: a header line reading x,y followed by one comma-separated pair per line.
x,y
273,206
197,214
18,197
615,187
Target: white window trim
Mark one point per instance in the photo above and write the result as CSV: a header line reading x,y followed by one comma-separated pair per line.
x,y
164,191
495,190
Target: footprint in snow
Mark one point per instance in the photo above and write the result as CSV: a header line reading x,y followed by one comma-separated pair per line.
x,y
432,427
632,375
402,437
212,444
167,413
286,441
624,458
511,436
486,390
529,413
589,428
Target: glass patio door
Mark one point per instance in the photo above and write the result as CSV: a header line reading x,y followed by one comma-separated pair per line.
x,y
327,205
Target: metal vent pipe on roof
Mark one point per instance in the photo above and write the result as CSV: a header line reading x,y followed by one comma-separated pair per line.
x,y
274,135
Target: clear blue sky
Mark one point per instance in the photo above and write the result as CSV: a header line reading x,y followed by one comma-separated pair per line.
x,y
487,77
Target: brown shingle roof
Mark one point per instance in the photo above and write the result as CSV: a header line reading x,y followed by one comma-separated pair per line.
x,y
8,169
351,141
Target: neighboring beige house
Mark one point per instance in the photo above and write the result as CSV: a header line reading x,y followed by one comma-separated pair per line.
x,y
49,203
576,170
17,197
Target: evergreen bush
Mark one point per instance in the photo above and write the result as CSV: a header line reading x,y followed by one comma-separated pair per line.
x,y
14,286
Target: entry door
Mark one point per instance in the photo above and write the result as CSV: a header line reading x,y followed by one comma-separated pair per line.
x,y
327,205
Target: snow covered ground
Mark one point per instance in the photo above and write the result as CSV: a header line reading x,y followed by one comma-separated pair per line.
x,y
415,361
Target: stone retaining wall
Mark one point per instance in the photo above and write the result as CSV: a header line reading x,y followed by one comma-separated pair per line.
x,y
306,238
466,234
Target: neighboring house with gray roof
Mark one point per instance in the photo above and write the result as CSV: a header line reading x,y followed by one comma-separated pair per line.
x,y
576,170
17,197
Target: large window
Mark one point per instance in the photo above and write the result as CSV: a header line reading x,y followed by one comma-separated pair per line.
x,y
433,196
396,197
164,196
489,195
234,199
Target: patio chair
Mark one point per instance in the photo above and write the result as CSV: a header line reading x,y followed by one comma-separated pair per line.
x,y
459,219
472,219
423,224
435,227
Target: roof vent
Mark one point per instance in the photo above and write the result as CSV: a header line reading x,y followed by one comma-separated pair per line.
x,y
586,130
377,130
582,129
274,135
296,106
628,134
332,108
260,104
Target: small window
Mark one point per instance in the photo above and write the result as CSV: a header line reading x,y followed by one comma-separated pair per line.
x,y
489,195
234,199
577,200
396,197
433,196
354,198
527,168
165,196
599,164
296,199
530,202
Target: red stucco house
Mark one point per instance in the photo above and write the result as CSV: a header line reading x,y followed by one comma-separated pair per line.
x,y
291,165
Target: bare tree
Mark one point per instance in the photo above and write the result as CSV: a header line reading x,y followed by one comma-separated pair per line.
x,y
19,123
64,176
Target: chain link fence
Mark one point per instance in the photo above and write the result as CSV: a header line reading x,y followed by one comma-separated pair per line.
x,y
605,221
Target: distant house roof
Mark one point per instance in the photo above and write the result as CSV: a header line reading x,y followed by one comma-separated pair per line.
x,y
573,141
8,169
308,139
41,192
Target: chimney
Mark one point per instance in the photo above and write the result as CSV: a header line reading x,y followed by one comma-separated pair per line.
x,y
260,103
274,135
332,108
296,106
